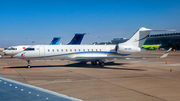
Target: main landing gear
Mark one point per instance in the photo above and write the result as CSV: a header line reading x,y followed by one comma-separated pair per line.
x,y
101,63
29,66
94,62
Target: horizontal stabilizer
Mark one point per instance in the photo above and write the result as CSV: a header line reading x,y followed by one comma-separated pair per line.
x,y
154,30
166,54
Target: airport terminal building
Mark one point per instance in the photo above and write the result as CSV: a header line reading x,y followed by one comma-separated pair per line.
x,y
164,40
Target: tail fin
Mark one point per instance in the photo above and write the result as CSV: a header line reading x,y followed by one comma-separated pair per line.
x,y
77,39
140,37
55,41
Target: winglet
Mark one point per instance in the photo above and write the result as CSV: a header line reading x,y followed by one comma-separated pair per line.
x,y
166,54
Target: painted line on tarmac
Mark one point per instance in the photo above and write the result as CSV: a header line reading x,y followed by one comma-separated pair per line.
x,y
46,75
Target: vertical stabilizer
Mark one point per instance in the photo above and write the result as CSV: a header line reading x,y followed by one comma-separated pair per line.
x,y
140,37
76,40
55,41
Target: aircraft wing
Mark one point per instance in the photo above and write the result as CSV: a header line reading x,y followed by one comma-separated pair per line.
x,y
112,57
11,90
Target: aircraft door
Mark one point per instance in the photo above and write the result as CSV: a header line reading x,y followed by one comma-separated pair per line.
x,y
41,51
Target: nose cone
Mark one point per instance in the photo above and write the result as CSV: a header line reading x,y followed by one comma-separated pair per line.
x,y
5,52
18,55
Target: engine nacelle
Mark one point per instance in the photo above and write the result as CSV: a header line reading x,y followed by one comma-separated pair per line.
x,y
126,49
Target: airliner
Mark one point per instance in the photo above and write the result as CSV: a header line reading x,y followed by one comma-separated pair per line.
x,y
13,50
96,54
152,47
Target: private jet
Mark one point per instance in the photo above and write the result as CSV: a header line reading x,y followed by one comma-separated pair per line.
x,y
96,54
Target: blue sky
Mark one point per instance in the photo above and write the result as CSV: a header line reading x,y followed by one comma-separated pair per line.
x,y
24,21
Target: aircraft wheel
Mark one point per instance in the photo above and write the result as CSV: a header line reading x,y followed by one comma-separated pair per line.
x,y
1,55
29,66
94,62
101,64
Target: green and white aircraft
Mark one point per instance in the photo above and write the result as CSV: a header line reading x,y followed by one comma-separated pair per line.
x,y
151,46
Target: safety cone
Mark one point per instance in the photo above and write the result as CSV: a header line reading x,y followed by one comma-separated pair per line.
x,y
171,70
4,67
8,70
166,62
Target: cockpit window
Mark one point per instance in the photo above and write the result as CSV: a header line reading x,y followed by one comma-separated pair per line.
x,y
6,48
13,48
29,49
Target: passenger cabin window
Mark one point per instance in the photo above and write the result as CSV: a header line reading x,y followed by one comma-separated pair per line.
x,y
53,50
29,49
66,50
79,50
71,50
92,50
62,50
96,50
83,49
48,50
57,50
75,50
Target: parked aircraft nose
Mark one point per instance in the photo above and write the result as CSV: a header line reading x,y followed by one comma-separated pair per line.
x,y
5,52
18,55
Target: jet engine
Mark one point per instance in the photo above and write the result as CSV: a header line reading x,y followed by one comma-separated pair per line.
x,y
126,49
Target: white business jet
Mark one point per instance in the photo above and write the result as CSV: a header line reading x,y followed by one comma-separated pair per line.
x,y
93,53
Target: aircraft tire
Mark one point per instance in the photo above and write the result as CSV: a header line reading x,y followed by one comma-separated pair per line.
x,y
1,56
94,62
101,64
29,66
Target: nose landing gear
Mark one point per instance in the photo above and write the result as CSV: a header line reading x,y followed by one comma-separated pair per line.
x,y
29,66
101,64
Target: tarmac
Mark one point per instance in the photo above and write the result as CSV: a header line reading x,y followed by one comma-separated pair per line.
x,y
152,79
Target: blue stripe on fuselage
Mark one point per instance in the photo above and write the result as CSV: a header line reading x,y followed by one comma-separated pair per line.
x,y
90,52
